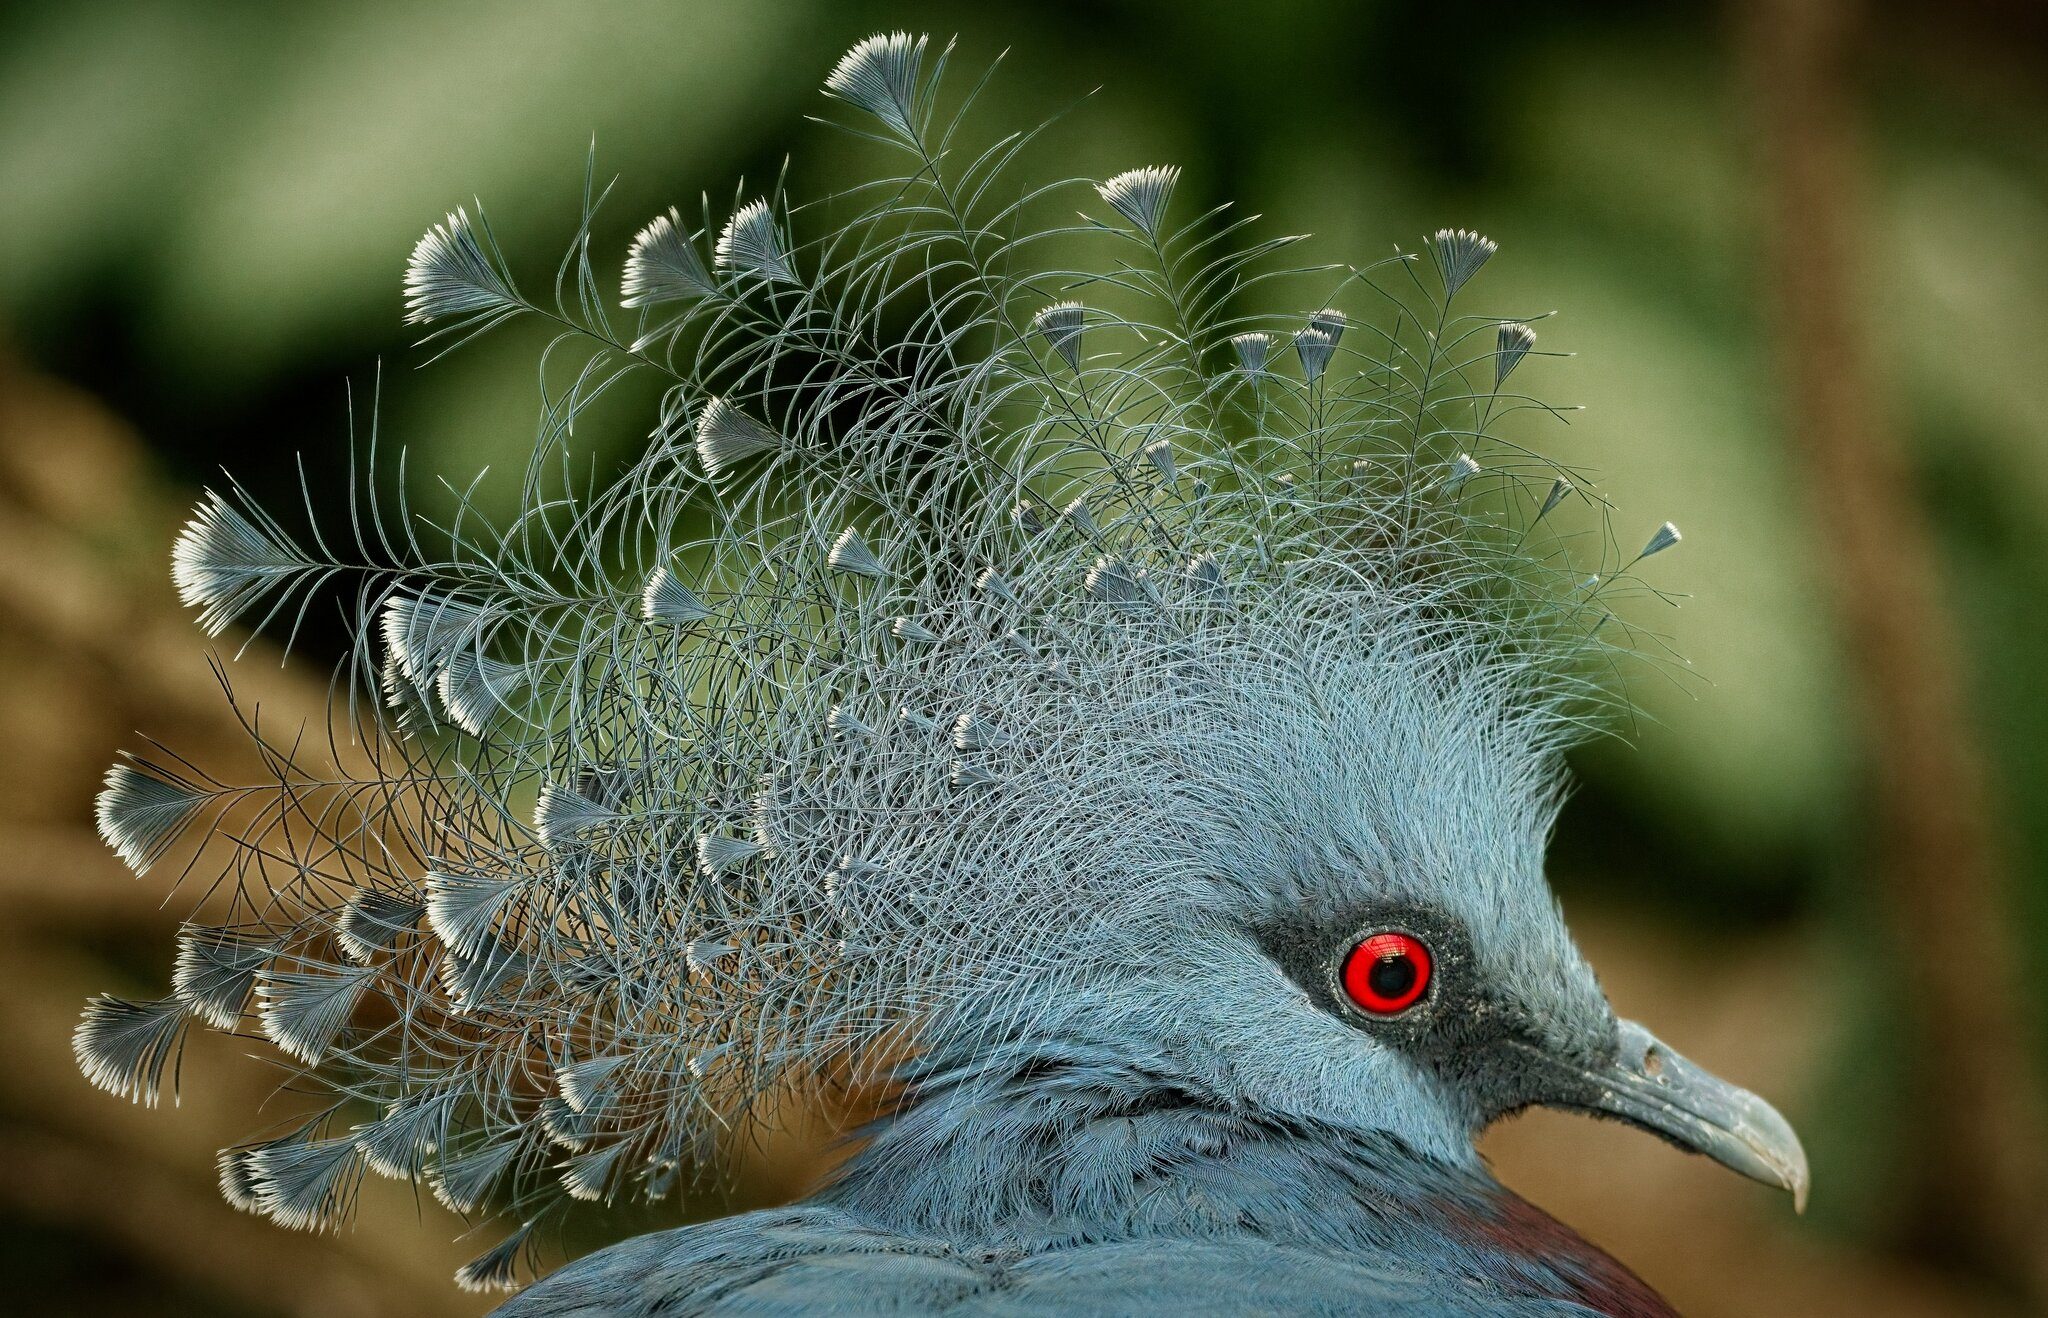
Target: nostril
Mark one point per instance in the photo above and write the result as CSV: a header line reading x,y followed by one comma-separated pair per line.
x,y
1653,1063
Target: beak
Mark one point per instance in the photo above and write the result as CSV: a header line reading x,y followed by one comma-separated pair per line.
x,y
1651,1086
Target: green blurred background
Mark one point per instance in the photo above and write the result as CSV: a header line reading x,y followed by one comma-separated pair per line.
x,y
204,210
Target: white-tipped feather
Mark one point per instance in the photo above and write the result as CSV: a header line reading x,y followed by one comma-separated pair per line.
x,y
880,75
463,1182
1459,253
476,980
423,632
913,721
845,723
455,270
1253,350
237,1179
851,554
1114,581
1315,348
475,689
1661,539
727,436
910,629
667,599
704,1062
663,266
305,1012
720,854
966,773
140,815
1559,488
975,734
563,815
123,1046
751,245
373,921
224,563
497,1268
463,909
1061,325
699,958
1206,580
995,586
1512,343
306,1184
1160,451
1140,195
565,1127
216,971
1460,470
398,1143
589,1175
580,1082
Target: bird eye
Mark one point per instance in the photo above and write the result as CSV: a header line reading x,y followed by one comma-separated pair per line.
x,y
1387,973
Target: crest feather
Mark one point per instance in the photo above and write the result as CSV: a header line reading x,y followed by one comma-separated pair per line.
x,y
946,638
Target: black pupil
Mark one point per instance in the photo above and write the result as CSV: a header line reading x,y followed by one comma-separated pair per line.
x,y
1392,976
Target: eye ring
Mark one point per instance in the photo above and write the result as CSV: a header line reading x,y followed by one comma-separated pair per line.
x,y
1387,973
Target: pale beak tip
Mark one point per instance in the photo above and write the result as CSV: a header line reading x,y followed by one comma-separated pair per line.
x,y
1657,1088
1779,1157
1781,1148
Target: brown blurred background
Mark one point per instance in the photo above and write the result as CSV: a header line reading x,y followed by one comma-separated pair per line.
x,y
1801,251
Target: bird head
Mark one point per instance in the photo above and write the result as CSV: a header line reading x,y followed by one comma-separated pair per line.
x,y
961,671
1310,871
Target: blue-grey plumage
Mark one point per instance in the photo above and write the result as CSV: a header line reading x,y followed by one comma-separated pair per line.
x,y
1200,1121
1086,1180
1128,746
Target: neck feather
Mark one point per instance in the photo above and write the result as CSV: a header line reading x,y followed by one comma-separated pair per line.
x,y
1073,1144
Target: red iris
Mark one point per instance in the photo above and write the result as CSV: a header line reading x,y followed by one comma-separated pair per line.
x,y
1387,973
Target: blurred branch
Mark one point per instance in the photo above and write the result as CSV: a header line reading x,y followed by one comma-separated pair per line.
x,y
153,1187
94,647
1981,1167
151,1213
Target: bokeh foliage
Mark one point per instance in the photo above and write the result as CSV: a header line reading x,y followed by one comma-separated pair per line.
x,y
204,208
